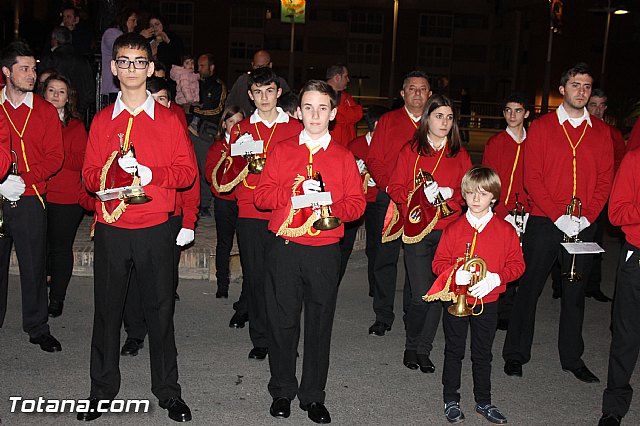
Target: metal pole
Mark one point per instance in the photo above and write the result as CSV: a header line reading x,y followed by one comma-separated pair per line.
x,y
392,67
606,43
16,19
291,63
544,103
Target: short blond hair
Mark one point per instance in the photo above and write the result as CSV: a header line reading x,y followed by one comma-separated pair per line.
x,y
481,177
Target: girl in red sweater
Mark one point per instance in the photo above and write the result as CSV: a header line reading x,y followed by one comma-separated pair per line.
x,y
64,212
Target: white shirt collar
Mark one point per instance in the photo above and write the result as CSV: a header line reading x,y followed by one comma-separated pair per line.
x,y
282,117
368,137
148,106
413,117
480,223
575,122
322,142
444,142
515,137
28,99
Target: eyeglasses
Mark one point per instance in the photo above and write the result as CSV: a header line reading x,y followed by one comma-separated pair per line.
x,y
138,64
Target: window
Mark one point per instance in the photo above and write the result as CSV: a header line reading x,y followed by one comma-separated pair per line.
x,y
365,53
434,55
247,17
436,26
179,17
471,21
366,23
244,48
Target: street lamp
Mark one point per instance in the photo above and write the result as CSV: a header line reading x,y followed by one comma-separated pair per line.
x,y
608,10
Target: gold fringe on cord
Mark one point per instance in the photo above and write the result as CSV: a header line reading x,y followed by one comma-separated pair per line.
x,y
284,229
396,216
228,186
117,212
444,294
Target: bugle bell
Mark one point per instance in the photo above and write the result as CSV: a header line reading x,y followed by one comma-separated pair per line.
x,y
439,202
574,208
479,266
136,195
255,164
326,221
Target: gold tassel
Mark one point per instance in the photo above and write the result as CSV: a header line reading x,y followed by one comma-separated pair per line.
x,y
445,295
396,216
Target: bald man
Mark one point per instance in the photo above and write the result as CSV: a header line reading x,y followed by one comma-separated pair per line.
x,y
239,94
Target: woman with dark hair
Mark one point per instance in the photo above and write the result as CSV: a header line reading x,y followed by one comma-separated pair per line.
x,y
64,212
165,45
225,209
435,148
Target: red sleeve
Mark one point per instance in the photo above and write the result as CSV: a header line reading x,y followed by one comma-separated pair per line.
x,y
514,261
53,151
634,137
491,156
213,156
377,153
351,206
445,254
619,148
75,146
349,112
5,142
180,113
189,200
269,195
624,209
398,186
604,179
92,166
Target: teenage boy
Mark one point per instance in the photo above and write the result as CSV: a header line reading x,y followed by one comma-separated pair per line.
x,y
504,153
270,124
625,321
304,263
568,155
495,242
136,238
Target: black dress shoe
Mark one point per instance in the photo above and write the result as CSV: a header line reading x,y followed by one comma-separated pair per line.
x,y
178,410
557,292
131,347
55,308
238,320
222,294
280,407
584,374
317,412
491,413
176,296
513,368
609,419
426,366
410,359
47,343
598,295
93,413
379,328
258,353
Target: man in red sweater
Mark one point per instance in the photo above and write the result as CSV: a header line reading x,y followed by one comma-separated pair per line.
x,y
504,153
625,339
303,264
272,125
395,129
35,133
569,155
136,238
343,128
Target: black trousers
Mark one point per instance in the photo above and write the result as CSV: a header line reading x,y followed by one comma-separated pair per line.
x,y
226,215
541,247
346,244
62,223
594,279
483,331
507,300
133,316
149,251
201,146
26,227
298,276
422,317
253,237
385,268
625,340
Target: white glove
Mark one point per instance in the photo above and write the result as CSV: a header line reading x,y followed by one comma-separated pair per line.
x,y
247,137
584,223
128,164
310,185
145,174
431,191
185,236
512,220
360,164
485,285
570,225
371,182
12,188
463,277
446,192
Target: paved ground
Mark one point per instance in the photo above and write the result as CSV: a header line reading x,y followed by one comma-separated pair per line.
x,y
368,385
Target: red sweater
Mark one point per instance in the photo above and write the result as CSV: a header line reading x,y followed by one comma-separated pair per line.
x,y
449,173
187,204
500,154
624,203
42,143
271,137
160,144
65,186
619,147
548,176
360,149
497,245
213,156
5,141
394,130
343,128
634,138
177,109
340,175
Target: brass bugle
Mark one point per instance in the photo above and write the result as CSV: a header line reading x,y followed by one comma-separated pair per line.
x,y
574,208
461,308
137,196
439,203
255,163
327,221
518,214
